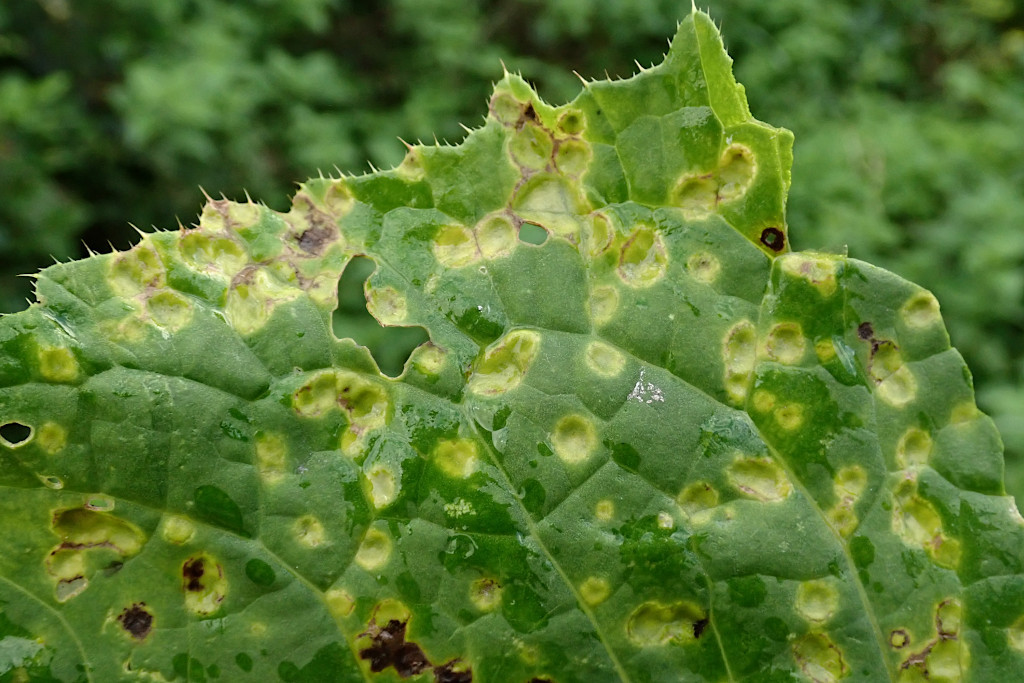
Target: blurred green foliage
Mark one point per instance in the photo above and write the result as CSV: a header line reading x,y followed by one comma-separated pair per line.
x,y
908,117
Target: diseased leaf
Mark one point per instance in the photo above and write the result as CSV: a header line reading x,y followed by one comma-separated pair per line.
x,y
646,440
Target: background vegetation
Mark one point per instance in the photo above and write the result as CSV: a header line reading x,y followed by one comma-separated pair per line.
x,y
908,117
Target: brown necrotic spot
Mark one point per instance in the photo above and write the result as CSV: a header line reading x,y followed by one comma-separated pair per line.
x,y
136,620
865,331
192,571
312,241
773,238
699,626
388,648
452,673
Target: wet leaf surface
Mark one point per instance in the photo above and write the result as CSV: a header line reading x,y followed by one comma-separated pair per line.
x,y
645,440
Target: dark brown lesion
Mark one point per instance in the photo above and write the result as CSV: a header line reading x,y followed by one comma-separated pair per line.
x,y
192,571
136,620
389,648
699,626
773,238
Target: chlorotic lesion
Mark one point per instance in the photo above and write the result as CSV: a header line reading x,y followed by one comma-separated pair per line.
x,y
135,271
785,343
602,304
643,258
485,594
820,658
604,359
916,521
703,266
90,540
204,584
458,458
739,353
699,194
339,602
759,478
574,438
271,457
375,549
58,364
169,309
594,590
658,624
848,486
505,363
52,437
818,270
309,531
817,600
946,655
697,497
364,401
384,486
914,448
921,310
496,236
454,246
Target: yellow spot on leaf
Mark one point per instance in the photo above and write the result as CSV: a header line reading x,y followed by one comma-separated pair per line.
x,y
271,457
457,458
604,359
1015,635
58,364
914,448
603,303
739,350
921,310
704,267
374,551
785,344
52,437
825,350
594,590
643,259
169,310
819,270
763,401
604,511
572,157
817,600
133,272
697,497
505,363
790,416
759,478
918,524
309,531
485,594
339,602
204,584
214,255
819,658
496,237
429,358
178,530
383,486
387,305
530,147
251,302
654,623
574,438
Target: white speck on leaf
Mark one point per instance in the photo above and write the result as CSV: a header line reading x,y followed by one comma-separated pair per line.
x,y
645,392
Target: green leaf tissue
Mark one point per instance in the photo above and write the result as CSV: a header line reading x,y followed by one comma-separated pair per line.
x,y
646,440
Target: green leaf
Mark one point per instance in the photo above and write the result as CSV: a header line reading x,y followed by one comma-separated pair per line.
x,y
646,440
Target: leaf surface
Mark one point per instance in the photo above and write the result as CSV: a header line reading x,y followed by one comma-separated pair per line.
x,y
646,440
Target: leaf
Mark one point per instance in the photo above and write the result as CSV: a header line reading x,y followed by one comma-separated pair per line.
x,y
645,441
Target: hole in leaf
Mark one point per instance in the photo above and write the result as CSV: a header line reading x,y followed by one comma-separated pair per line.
x,y
389,346
15,434
531,233
773,238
